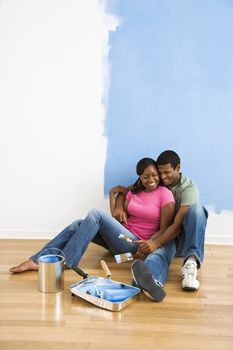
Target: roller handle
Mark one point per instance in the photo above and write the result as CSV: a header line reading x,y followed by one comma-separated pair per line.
x,y
80,271
106,269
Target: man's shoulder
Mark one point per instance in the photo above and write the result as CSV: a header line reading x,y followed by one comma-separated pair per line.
x,y
188,192
186,182
185,192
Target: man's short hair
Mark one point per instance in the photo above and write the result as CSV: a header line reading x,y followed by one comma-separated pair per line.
x,y
167,157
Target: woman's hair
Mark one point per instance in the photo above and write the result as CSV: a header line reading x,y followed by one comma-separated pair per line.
x,y
140,167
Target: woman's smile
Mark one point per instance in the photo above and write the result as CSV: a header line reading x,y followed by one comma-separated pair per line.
x,y
150,178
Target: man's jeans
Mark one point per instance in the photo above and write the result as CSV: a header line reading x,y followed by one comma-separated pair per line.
x,y
97,227
189,242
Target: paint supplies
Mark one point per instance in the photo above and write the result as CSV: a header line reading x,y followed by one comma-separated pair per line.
x,y
120,258
51,271
126,238
104,292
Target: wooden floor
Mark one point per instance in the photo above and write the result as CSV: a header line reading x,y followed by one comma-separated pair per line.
x,y
183,320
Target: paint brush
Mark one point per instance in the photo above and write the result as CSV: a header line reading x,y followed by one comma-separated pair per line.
x,y
126,238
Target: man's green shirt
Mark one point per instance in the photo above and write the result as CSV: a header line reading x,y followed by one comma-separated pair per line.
x,y
185,192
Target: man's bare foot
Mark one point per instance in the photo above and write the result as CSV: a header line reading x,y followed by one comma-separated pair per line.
x,y
28,265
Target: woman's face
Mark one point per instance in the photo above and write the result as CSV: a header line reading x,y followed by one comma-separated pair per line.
x,y
150,178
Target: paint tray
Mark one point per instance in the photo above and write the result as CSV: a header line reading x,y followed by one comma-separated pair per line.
x,y
105,293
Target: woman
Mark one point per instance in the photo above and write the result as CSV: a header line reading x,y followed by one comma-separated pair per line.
x,y
150,209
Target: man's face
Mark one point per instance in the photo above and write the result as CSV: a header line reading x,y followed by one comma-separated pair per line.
x,y
168,175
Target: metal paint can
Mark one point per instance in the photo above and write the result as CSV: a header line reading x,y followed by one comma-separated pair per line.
x,y
51,273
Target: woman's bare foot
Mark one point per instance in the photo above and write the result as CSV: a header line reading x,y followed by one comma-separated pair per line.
x,y
28,265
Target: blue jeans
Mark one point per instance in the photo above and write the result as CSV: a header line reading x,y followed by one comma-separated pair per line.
x,y
97,227
189,242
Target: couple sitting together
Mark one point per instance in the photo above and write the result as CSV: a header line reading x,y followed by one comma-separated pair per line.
x,y
161,212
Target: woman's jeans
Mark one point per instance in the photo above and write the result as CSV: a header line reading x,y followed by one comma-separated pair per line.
x,y
189,242
97,227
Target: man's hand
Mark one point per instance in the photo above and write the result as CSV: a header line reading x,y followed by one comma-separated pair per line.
x,y
147,246
120,215
119,189
117,203
140,255
117,209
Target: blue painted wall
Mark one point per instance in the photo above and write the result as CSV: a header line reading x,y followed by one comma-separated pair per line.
x,y
172,88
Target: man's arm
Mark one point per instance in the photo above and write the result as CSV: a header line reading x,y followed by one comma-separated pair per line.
x,y
163,236
190,195
174,229
149,245
117,203
119,213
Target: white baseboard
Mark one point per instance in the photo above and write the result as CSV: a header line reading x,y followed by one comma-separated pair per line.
x,y
223,240
24,234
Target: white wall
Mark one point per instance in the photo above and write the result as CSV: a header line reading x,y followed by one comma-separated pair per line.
x,y
53,58
220,228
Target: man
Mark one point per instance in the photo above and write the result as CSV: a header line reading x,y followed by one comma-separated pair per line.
x,y
184,237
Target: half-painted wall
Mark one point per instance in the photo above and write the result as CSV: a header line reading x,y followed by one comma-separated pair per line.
x,y
172,88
